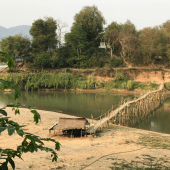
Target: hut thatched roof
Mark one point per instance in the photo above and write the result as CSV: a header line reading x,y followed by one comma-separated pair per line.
x,y
71,123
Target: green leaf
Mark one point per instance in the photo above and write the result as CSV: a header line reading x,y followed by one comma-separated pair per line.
x,y
32,140
4,166
2,129
11,130
10,59
17,111
36,116
3,112
12,163
57,146
20,133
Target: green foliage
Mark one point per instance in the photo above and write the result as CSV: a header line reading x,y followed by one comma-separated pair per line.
x,y
16,46
87,83
126,84
167,86
44,35
77,40
44,42
153,85
119,76
31,143
42,60
156,46
5,57
58,81
116,62
92,21
130,85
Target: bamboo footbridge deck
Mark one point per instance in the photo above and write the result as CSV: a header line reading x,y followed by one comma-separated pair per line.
x,y
136,110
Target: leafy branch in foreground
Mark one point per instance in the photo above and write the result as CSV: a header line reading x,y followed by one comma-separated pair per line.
x,y
31,143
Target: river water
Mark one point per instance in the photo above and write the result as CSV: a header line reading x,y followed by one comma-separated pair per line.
x,y
73,103
2,67
85,104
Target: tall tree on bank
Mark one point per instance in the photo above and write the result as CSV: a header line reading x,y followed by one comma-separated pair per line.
x,y
44,41
16,46
111,36
91,21
166,31
128,41
124,36
152,43
84,38
77,39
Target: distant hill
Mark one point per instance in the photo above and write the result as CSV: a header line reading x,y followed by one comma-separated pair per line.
x,y
21,29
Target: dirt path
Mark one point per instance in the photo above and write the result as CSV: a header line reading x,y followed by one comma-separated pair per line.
x,y
114,147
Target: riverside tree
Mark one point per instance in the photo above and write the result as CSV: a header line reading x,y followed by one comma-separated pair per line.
x,y
111,36
128,41
44,41
84,39
166,30
123,36
92,22
16,46
152,43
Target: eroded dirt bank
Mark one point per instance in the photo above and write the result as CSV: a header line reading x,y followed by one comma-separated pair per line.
x,y
139,75
114,147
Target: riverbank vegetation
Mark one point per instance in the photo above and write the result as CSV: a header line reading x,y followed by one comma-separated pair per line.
x,y
67,81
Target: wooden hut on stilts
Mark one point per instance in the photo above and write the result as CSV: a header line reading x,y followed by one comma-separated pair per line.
x,y
71,127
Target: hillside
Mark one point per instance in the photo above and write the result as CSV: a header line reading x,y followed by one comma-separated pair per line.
x,y
21,29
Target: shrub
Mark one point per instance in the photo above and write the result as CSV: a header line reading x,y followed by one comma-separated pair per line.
x,y
153,85
119,76
124,85
116,62
42,60
167,86
130,85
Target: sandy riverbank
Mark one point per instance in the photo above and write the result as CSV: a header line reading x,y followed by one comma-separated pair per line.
x,y
126,146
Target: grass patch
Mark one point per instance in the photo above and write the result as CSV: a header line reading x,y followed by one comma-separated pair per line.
x,y
151,140
142,162
154,141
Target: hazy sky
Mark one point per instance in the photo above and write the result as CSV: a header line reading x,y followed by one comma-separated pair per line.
x,y
142,13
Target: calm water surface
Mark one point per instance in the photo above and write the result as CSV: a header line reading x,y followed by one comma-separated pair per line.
x,y
78,104
159,119
85,104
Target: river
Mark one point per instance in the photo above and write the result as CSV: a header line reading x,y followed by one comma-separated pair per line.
x,y
2,67
85,104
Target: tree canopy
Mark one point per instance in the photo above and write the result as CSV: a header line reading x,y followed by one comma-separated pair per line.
x,y
16,46
44,35
91,21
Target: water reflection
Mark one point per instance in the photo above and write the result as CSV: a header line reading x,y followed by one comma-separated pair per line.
x,y
79,104
158,120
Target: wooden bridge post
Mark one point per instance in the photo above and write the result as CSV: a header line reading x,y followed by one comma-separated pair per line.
x,y
92,118
100,124
105,122
108,118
